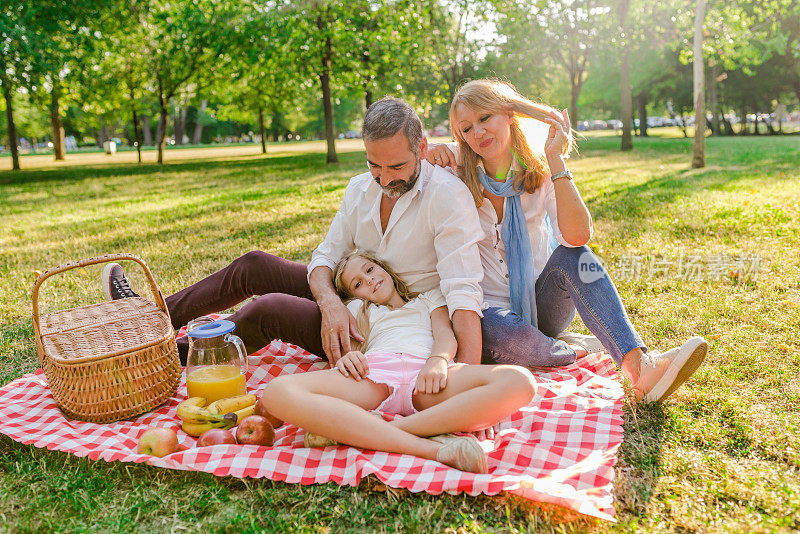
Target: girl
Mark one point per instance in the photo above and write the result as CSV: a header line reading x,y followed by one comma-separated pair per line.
x,y
405,367
532,290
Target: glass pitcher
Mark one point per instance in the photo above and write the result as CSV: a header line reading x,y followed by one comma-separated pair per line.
x,y
217,361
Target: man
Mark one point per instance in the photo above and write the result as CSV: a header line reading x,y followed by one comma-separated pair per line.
x,y
418,218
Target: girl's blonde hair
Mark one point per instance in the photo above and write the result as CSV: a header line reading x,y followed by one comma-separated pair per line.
x,y
362,320
496,96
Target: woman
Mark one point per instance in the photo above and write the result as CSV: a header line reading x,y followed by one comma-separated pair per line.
x,y
532,292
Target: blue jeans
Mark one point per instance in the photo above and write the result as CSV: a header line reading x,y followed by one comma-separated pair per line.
x,y
573,278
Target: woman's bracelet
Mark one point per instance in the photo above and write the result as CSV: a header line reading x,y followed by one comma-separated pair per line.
x,y
438,356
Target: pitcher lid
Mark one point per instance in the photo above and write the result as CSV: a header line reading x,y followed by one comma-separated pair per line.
x,y
217,328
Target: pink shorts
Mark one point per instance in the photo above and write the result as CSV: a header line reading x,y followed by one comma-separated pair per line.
x,y
398,371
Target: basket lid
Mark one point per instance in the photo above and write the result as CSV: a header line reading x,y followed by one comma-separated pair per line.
x,y
217,328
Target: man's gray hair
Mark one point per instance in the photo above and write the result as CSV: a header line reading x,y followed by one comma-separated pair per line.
x,y
390,115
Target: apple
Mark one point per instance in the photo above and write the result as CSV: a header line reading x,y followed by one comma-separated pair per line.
x,y
261,409
158,441
216,436
255,430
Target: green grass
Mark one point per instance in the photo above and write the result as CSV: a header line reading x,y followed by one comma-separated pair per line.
x,y
722,455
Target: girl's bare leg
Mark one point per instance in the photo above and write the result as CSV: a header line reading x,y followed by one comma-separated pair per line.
x,y
476,397
336,407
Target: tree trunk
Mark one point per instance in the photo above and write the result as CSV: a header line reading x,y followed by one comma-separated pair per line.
x,y
575,92
797,90
146,131
699,151
198,126
101,137
55,123
768,123
728,126
136,136
262,130
714,101
327,100
683,126
742,122
13,142
180,124
368,98
626,103
365,60
162,130
641,107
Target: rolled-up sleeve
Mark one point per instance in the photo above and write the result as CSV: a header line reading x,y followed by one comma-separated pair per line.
x,y
337,243
457,231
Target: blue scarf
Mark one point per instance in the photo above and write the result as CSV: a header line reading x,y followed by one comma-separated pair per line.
x,y
514,233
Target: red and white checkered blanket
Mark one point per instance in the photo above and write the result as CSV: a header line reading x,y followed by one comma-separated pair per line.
x,y
560,449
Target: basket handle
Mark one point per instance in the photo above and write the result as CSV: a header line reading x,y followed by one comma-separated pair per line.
x,y
159,298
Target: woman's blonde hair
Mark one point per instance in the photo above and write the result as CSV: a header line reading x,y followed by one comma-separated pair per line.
x,y
362,320
496,96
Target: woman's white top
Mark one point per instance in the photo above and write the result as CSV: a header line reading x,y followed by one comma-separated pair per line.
x,y
495,284
406,329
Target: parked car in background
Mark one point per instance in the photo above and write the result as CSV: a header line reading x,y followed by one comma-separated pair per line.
x,y
614,124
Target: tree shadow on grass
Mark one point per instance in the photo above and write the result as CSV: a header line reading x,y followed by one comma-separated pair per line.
x,y
271,163
640,464
631,203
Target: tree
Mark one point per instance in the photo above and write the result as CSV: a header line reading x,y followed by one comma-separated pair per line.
x,y
185,41
258,81
326,47
24,26
569,31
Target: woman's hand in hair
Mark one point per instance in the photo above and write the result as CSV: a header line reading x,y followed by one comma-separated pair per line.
x,y
559,137
441,155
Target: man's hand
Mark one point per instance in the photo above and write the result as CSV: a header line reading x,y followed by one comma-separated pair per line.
x,y
354,364
432,378
338,325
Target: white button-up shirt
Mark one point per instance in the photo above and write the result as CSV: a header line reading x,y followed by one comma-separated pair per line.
x,y
430,239
495,284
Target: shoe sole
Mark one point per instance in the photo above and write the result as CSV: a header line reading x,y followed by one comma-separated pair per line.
x,y
687,369
106,276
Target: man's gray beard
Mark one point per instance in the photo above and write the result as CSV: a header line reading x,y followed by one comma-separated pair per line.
x,y
399,188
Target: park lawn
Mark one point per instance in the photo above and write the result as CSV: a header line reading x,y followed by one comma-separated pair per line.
x,y
723,454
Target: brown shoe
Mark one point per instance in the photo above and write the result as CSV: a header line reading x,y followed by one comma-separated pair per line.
x,y
461,452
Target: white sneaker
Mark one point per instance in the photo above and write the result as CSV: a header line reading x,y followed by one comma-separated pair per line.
x,y
590,343
661,374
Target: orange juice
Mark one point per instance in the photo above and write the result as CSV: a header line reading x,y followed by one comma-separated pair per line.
x,y
216,382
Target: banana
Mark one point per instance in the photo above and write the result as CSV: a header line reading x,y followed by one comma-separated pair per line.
x,y
191,402
196,414
241,414
232,404
197,429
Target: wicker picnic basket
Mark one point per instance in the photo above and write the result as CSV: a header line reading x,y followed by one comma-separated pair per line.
x,y
108,361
